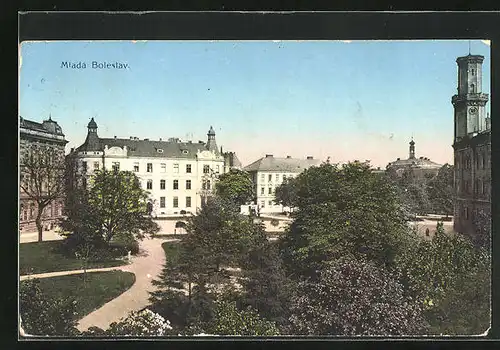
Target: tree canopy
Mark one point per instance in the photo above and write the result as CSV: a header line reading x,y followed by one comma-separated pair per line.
x,y
235,186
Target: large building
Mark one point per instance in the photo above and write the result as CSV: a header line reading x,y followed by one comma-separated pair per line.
x,y
269,172
47,133
420,166
472,147
178,175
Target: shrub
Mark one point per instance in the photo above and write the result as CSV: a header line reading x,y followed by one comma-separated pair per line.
x,y
41,315
275,222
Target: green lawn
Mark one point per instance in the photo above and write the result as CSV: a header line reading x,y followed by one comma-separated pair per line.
x,y
99,288
40,257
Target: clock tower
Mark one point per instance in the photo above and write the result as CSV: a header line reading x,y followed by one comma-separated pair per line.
x,y
470,101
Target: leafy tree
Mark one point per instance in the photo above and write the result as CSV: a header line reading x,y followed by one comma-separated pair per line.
x,y
430,269
228,320
341,210
482,223
42,172
113,207
266,288
41,315
354,297
235,186
286,193
440,189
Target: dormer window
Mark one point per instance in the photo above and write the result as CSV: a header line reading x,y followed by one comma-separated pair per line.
x,y
159,150
185,151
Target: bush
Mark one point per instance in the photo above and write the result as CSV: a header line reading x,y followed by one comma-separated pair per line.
x,y
275,222
41,315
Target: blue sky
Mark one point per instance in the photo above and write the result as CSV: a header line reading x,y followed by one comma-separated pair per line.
x,y
347,100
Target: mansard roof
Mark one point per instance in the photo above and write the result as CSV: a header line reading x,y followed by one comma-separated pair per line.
x,y
292,165
148,148
41,127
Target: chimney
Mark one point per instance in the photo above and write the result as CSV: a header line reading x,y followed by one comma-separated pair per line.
x,y
269,155
146,139
160,138
115,136
131,137
309,157
288,157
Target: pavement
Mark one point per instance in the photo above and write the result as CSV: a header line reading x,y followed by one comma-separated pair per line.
x,y
65,273
146,266
27,237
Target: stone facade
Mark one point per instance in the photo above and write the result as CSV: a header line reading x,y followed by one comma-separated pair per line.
x,y
472,148
46,133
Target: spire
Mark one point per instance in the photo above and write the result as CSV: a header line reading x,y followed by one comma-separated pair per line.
x,y
412,148
211,144
469,47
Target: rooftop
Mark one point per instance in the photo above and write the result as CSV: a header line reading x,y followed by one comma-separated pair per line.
x,y
288,164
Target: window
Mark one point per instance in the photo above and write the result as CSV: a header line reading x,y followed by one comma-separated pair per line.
x,y
176,184
472,88
162,184
466,213
270,190
84,166
176,202
284,177
163,167
270,177
188,184
262,190
277,177
206,169
270,203
159,150
149,167
188,168
96,165
188,202
217,169
32,210
208,184
263,204
473,71
162,202
149,185
136,167
485,189
176,168
262,177
115,166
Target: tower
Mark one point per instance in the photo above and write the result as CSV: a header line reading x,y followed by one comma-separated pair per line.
x,y
211,144
412,149
92,140
470,101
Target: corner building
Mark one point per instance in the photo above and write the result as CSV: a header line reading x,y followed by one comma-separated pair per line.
x,y
46,133
178,175
472,147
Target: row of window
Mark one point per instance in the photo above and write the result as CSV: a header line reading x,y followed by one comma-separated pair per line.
x,y
270,177
28,212
175,203
480,162
206,185
270,190
149,167
263,203
480,187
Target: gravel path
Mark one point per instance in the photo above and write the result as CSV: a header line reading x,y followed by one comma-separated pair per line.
x,y
146,267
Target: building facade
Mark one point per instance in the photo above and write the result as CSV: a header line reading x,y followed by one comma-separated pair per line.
x,y
177,175
420,166
269,172
47,133
472,147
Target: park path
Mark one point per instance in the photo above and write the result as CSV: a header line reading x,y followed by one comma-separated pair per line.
x,y
70,272
146,266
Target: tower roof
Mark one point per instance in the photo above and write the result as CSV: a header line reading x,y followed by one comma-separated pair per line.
x,y
211,132
92,124
469,57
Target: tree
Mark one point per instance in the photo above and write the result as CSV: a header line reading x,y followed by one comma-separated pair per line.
x,y
440,189
482,223
343,210
228,320
354,297
41,315
286,193
266,288
42,177
235,186
114,206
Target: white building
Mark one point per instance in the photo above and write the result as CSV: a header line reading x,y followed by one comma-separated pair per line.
x,y
269,172
178,175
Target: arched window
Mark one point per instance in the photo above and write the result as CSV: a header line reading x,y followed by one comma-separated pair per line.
x,y
473,71
472,88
